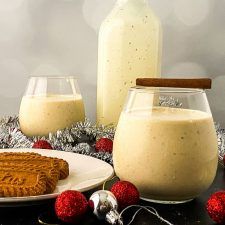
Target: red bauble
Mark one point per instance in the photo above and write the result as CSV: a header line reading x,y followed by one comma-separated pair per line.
x,y
215,207
104,145
42,144
71,206
126,193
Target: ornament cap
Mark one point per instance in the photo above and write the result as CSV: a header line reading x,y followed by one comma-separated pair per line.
x,y
113,217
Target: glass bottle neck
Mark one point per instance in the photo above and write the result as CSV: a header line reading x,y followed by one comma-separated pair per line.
x,y
122,2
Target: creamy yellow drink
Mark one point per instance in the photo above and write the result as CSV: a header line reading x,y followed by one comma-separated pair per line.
x,y
40,115
129,47
169,154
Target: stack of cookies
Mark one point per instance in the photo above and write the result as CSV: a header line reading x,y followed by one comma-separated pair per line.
x,y
30,174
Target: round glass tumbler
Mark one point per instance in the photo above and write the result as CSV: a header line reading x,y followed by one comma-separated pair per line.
x,y
50,104
165,143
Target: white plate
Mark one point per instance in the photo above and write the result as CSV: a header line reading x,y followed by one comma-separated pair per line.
x,y
86,173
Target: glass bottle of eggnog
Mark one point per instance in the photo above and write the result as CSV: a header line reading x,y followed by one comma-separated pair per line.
x,y
129,47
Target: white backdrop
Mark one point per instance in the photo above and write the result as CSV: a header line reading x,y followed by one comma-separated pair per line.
x,y
41,37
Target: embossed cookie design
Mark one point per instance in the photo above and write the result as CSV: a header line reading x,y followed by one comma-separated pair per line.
x,y
20,183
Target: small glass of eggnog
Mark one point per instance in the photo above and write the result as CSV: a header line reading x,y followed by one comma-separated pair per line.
x,y
49,104
166,144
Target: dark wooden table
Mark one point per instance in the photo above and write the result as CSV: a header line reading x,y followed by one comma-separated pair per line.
x,y
184,214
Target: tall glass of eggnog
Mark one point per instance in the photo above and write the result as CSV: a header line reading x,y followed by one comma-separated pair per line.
x,y
50,104
165,143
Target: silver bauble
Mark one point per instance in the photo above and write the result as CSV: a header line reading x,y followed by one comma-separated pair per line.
x,y
105,207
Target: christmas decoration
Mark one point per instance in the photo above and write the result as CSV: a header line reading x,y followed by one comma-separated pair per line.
x,y
149,209
71,206
104,145
221,141
169,101
104,205
215,207
80,138
42,144
126,193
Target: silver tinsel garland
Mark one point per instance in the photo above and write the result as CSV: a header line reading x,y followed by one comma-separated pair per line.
x,y
221,142
170,101
81,137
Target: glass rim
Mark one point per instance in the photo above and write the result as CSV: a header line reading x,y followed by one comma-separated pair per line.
x,y
54,77
167,90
